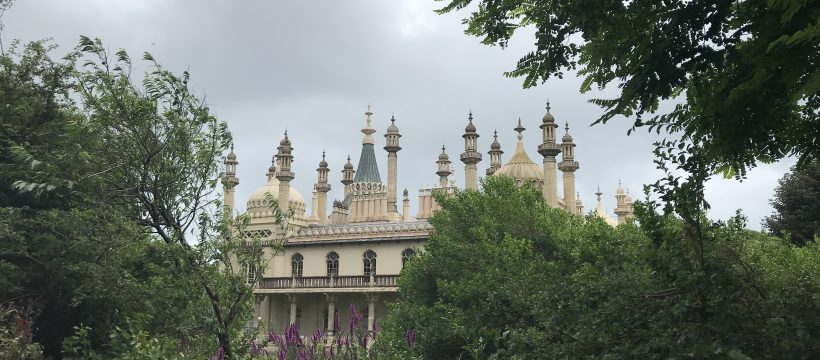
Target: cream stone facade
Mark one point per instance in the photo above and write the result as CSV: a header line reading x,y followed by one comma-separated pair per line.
x,y
354,253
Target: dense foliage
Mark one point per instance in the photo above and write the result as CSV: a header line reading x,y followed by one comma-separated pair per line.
x,y
749,71
505,276
796,205
98,203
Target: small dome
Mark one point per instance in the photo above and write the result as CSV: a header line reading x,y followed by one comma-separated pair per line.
x,y
567,138
548,118
348,166
323,163
231,155
470,127
495,145
443,156
257,202
392,129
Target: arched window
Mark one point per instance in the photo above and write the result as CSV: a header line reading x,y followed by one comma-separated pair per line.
x,y
369,263
296,265
406,255
332,264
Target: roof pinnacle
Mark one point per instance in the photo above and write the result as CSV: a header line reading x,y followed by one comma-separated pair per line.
x,y
520,129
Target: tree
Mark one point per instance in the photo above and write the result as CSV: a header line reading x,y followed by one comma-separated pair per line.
x,y
505,276
66,251
163,146
748,71
796,205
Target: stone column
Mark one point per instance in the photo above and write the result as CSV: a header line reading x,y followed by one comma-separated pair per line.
x,y
371,310
331,317
293,307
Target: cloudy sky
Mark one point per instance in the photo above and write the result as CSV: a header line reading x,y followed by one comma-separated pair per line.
x,y
313,67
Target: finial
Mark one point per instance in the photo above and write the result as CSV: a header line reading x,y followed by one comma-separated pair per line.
x,y
566,127
286,133
548,105
323,154
520,129
393,118
470,117
231,146
348,157
495,134
578,195
442,149
599,193
619,182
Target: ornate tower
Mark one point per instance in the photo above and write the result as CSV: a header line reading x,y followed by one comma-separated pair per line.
x,y
347,175
443,170
322,188
392,138
230,181
549,150
284,175
621,208
405,209
578,204
568,166
470,157
495,155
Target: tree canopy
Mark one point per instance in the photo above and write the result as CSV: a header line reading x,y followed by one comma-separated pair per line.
x,y
506,276
796,205
749,71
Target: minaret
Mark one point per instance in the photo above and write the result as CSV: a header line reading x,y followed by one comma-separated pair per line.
x,y
578,204
495,155
284,175
470,157
392,138
549,150
347,175
443,168
620,204
405,208
230,181
568,166
322,188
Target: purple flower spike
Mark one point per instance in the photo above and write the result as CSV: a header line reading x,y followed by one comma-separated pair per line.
x,y
410,336
317,335
336,322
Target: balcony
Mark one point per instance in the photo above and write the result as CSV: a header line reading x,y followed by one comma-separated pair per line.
x,y
325,284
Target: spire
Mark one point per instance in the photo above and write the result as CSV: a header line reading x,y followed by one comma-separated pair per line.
x,y
443,167
368,130
368,170
520,129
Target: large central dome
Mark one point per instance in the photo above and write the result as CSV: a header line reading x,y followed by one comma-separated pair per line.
x,y
522,168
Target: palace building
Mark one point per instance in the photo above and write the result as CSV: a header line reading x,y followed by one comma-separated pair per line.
x,y
354,253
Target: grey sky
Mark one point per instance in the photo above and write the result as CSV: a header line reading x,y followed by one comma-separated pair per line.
x,y
312,68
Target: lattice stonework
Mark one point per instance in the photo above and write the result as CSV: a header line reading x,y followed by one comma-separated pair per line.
x,y
258,233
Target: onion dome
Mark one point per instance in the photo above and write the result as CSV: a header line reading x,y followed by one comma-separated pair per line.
x,y
620,190
567,137
470,127
578,199
628,198
323,163
521,167
258,205
443,156
392,129
348,166
231,155
548,118
495,145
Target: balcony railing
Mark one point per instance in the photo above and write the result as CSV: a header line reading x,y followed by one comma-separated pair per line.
x,y
330,282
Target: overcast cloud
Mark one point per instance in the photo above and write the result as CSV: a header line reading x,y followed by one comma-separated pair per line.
x,y
313,67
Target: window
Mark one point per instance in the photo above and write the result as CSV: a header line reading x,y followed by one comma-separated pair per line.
x,y
296,265
406,255
250,273
369,263
332,264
